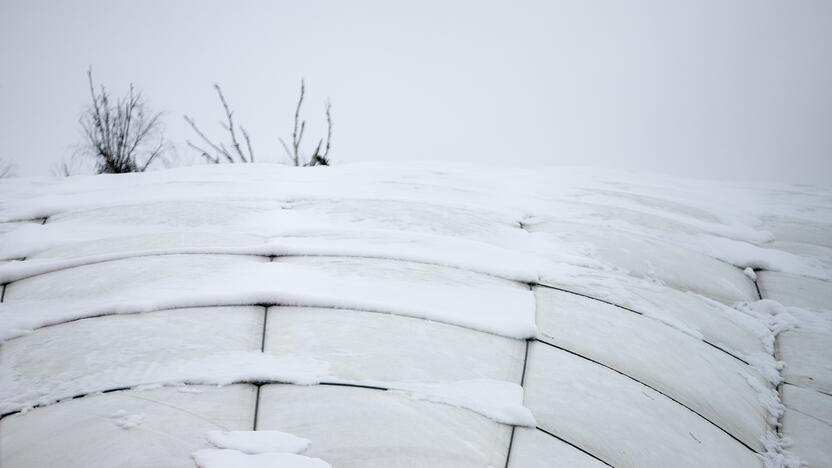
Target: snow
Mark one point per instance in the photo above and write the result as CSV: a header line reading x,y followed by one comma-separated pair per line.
x,y
221,458
126,421
497,400
246,283
253,442
420,279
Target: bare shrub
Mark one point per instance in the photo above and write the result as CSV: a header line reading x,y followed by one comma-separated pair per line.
x,y
122,136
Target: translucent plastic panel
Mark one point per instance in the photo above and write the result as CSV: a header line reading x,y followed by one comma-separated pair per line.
x,y
533,448
373,346
403,271
699,316
356,427
122,351
705,379
622,422
794,290
807,350
804,230
89,280
655,260
172,241
153,428
808,422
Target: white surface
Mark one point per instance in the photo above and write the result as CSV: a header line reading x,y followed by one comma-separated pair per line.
x,y
114,352
258,441
81,433
807,349
655,260
532,448
371,346
434,243
690,313
705,379
808,422
354,427
617,419
797,291
506,310
114,278
219,458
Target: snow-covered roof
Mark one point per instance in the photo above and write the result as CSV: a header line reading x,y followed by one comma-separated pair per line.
x,y
413,315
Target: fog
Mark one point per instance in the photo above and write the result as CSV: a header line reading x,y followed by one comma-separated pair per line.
x,y
709,89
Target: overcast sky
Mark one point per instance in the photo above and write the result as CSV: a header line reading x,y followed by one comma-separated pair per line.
x,y
715,89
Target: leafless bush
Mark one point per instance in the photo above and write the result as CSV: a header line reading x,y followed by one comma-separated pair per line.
x,y
318,158
219,152
121,136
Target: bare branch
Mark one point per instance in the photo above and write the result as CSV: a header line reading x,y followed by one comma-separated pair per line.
x,y
248,144
297,137
220,152
117,134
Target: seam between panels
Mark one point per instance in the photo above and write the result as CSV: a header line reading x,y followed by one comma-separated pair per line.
x,y
262,350
260,385
547,286
269,256
522,382
189,384
650,387
550,434
778,426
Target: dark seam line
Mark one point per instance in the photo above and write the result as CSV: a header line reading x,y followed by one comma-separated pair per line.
x,y
239,382
650,387
262,349
260,304
572,445
3,293
793,384
342,384
270,256
522,381
642,314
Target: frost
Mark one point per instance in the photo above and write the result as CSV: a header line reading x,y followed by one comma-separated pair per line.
x,y
750,273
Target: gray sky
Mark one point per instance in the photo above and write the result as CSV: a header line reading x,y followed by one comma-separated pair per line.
x,y
716,89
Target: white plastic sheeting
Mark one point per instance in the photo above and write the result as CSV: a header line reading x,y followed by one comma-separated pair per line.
x,y
368,346
112,352
533,448
705,379
808,423
91,432
413,278
356,427
597,408
797,291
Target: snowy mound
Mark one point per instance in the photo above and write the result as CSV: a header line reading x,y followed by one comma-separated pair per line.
x,y
413,315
